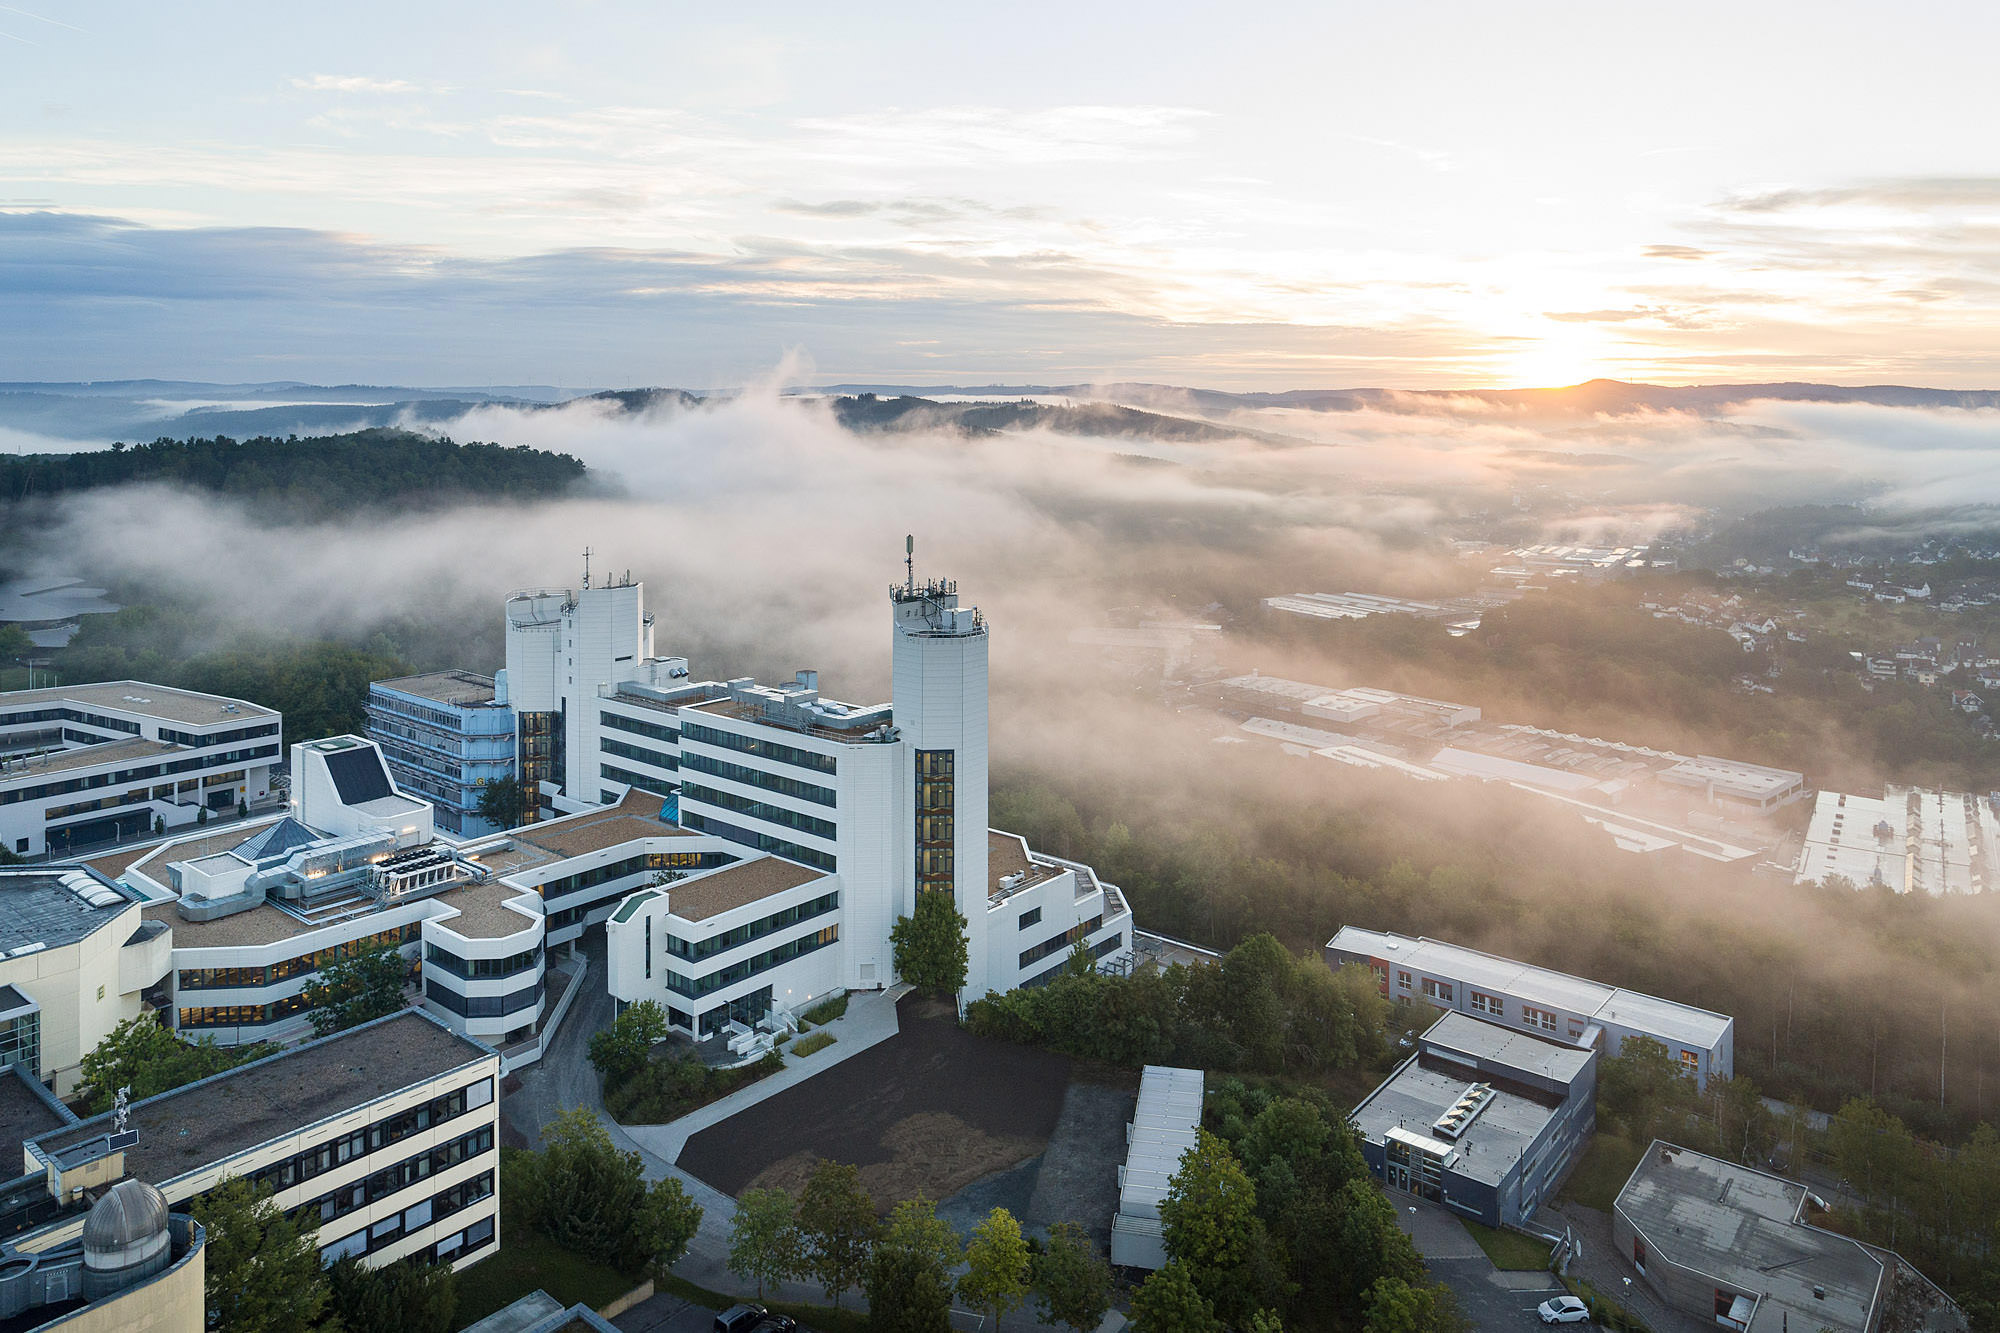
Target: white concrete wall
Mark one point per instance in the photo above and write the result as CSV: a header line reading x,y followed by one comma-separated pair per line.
x,y
939,692
78,987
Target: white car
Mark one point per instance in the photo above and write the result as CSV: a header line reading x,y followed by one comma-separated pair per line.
x,y
1563,1310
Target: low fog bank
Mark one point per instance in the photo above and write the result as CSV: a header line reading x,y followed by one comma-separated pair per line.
x,y
767,536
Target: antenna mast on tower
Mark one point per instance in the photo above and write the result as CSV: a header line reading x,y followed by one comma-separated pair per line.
x,y
586,569
910,563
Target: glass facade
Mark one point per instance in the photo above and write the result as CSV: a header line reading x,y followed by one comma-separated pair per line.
x,y
936,802
21,1041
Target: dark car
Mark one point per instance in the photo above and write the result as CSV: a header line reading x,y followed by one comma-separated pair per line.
x,y
776,1323
740,1318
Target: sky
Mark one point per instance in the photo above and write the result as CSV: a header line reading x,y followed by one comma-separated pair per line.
x,y
1254,196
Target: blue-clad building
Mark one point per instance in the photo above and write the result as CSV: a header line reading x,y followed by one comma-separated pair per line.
x,y
445,733
1483,1119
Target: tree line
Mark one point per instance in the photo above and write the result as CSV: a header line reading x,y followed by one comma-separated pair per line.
x,y
319,475
1216,845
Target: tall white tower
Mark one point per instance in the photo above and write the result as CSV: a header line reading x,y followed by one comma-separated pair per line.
x,y
561,646
939,698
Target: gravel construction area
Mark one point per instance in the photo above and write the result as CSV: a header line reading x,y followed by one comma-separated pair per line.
x,y
927,1112
1075,1179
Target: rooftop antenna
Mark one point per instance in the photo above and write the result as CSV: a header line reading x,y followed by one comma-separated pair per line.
x,y
910,562
586,569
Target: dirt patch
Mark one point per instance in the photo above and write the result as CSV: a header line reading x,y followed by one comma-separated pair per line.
x,y
927,1112
931,1153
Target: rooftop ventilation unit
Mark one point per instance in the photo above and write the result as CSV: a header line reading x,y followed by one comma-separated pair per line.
x,y
1454,1121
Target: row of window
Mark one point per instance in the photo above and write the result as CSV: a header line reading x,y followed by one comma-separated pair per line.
x,y
651,730
322,1158
1532,1016
215,978
766,749
93,781
484,1006
757,777
415,1218
1056,943
200,740
657,786
240,1015
1109,944
392,1180
763,842
385,702
626,750
811,825
696,951
130,728
133,797
695,988
631,865
481,969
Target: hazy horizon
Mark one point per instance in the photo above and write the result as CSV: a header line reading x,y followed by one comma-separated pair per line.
x,y
1465,197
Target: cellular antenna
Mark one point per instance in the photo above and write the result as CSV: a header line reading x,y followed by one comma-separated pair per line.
x,y
910,562
586,569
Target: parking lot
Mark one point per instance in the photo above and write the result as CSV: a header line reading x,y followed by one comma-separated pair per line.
x,y
1491,1299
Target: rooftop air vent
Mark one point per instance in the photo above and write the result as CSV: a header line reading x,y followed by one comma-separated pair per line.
x,y
1462,1112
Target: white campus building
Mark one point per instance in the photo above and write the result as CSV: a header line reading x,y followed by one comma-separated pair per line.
x,y
91,764
1538,1000
833,816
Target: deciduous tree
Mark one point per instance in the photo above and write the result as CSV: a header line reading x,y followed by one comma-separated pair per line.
x,y
1169,1302
914,1225
1072,1283
836,1226
262,1268
667,1223
144,1055
409,1296
354,990
908,1291
764,1237
619,1050
996,1257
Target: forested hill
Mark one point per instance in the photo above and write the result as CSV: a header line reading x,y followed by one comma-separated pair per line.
x,y
867,413
377,468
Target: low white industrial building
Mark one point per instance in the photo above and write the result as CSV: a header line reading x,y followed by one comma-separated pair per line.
x,y
1730,782
1163,1128
91,764
1911,840
1539,1000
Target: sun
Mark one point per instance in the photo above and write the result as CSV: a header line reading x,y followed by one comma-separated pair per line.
x,y
1564,355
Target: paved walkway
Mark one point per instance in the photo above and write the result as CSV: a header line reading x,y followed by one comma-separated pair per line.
x,y
1492,1298
1605,1269
870,1019
564,1078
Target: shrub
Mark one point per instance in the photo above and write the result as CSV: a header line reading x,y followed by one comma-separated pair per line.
x,y
825,1011
818,1041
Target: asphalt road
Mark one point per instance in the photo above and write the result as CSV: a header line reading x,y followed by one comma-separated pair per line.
x,y
1490,1298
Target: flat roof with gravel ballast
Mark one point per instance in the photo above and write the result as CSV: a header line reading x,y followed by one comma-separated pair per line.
x,y
210,1121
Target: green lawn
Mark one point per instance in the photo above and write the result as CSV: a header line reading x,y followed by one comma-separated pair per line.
x,y
1509,1250
526,1261
1606,1166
